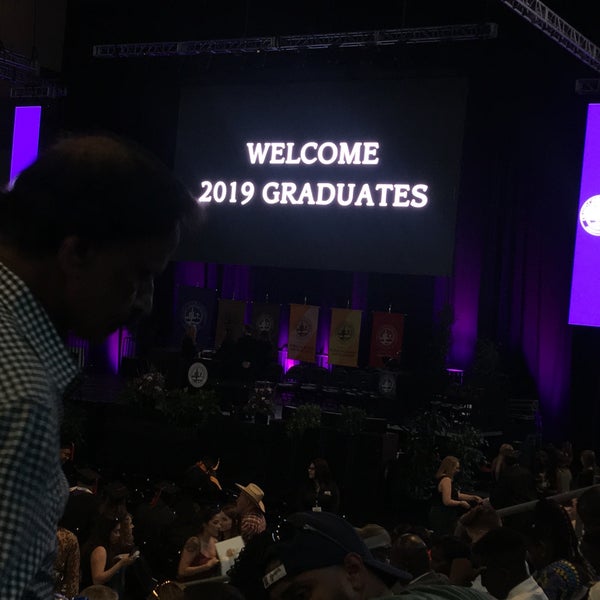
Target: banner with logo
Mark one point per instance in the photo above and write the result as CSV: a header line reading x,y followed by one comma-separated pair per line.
x,y
196,307
344,336
265,322
386,337
230,321
302,340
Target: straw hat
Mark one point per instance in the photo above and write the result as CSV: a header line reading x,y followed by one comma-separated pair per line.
x,y
254,493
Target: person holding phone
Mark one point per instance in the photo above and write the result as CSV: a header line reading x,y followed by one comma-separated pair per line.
x,y
100,562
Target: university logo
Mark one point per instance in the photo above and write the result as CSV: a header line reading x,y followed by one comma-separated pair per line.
x,y
194,313
303,328
345,332
387,384
264,323
197,375
387,336
589,215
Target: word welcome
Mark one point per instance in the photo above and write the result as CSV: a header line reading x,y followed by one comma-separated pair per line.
x,y
394,195
326,153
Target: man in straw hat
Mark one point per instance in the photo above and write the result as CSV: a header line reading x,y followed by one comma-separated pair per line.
x,y
251,510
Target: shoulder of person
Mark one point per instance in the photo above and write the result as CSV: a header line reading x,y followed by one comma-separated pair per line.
x,y
192,544
443,592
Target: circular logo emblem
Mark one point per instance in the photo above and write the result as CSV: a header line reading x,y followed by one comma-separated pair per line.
x,y
589,215
303,328
345,332
264,323
387,335
387,384
197,375
194,313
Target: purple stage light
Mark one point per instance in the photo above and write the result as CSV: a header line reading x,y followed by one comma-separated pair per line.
x,y
26,137
585,284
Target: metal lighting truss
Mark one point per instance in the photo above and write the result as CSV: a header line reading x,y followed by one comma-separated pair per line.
x,y
354,39
556,28
587,86
16,68
40,90
24,74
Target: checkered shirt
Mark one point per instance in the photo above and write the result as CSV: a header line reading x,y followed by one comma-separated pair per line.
x,y
251,524
35,369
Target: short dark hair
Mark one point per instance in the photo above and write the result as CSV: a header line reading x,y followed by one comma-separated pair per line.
x,y
100,187
482,516
322,470
588,458
502,546
588,508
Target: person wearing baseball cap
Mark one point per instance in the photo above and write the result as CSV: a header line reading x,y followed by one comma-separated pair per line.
x,y
321,555
251,510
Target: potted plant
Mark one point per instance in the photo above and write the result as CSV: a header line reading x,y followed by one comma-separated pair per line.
x,y
260,406
186,407
306,416
352,419
145,391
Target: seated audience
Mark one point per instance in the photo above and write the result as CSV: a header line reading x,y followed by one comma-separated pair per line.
x,y
410,553
543,471
229,520
553,550
474,524
101,562
251,511
502,554
323,555
66,563
99,592
451,557
168,590
201,483
589,473
320,555
377,540
498,463
515,486
153,520
588,509
113,502
83,505
564,476
199,555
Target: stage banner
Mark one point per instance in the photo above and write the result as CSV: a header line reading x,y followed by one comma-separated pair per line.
x,y
196,307
230,321
302,340
344,336
386,337
265,322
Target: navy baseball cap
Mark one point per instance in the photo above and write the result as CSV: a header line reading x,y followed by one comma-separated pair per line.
x,y
314,540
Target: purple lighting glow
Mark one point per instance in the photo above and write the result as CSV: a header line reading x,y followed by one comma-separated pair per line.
x,y
26,136
585,285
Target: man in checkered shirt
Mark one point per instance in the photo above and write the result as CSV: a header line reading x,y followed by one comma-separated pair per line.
x,y
83,232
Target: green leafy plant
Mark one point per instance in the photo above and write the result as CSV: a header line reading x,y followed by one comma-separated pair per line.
x,y
189,407
306,416
146,390
352,419
260,401
430,436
